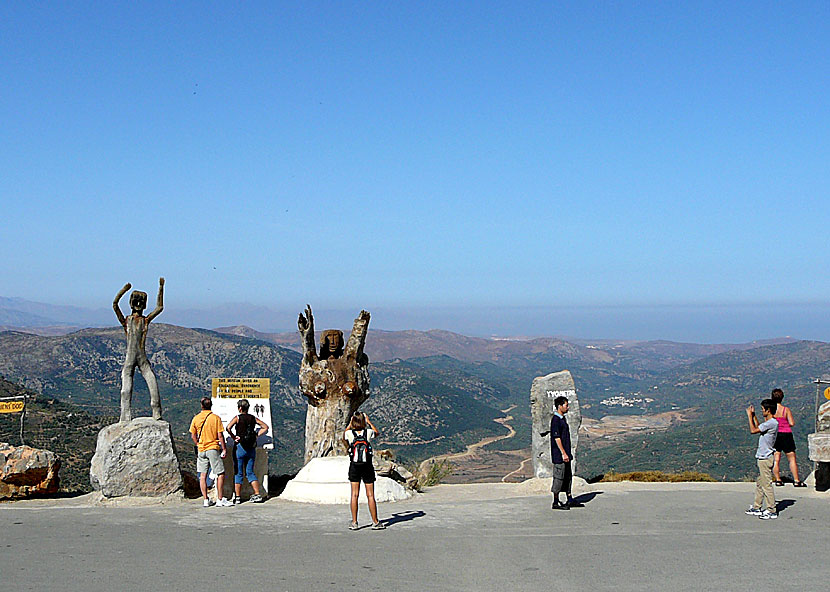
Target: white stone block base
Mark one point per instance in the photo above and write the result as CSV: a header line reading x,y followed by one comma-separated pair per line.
x,y
326,481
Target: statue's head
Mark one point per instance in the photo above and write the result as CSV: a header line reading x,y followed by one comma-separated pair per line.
x,y
138,301
331,344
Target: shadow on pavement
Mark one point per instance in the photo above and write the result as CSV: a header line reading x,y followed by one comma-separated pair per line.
x,y
277,483
782,505
403,517
586,497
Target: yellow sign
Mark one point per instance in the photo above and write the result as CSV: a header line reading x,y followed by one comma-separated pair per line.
x,y
11,406
240,388
827,393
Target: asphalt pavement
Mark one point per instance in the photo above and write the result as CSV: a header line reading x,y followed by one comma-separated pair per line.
x,y
627,536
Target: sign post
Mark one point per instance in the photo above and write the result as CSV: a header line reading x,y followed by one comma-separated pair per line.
x,y
16,404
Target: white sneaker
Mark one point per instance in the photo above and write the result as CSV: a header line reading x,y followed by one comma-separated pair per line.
x,y
767,515
207,503
224,502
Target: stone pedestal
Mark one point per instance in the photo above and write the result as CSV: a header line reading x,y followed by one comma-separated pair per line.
x,y
136,458
542,393
819,449
326,481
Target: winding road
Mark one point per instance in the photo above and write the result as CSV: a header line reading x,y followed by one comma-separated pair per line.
x,y
472,449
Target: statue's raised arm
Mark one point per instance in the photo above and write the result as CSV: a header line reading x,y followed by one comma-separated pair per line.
x,y
159,302
305,323
354,347
117,307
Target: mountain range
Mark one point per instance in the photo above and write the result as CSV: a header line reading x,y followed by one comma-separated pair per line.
x,y
438,391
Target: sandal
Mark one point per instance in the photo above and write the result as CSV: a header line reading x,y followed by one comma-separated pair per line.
x,y
799,484
779,483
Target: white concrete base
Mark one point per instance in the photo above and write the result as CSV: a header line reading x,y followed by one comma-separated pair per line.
x,y
326,481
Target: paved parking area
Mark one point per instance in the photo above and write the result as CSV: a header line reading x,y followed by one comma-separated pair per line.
x,y
466,537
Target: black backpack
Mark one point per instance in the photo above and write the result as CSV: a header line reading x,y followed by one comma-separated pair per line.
x,y
246,430
360,450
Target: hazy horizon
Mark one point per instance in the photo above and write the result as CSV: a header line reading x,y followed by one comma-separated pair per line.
x,y
697,323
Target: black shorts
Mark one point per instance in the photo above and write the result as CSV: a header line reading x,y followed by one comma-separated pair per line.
x,y
784,442
361,472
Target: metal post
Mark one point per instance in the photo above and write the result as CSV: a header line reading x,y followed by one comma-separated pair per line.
x,y
22,419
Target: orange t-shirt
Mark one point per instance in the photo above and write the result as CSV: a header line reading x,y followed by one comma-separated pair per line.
x,y
210,433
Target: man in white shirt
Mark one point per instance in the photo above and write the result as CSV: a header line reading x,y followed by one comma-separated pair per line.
x,y
765,455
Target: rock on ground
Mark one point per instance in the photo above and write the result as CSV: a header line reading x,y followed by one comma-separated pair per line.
x,y
135,458
27,471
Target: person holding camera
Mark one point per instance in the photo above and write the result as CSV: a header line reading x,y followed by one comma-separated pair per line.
x,y
358,438
764,456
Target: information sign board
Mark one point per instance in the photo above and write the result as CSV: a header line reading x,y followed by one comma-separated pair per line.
x,y
225,392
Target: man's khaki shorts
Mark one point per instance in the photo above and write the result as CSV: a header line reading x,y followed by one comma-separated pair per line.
x,y
210,459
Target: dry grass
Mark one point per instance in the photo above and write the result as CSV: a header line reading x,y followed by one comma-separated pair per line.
x,y
435,474
657,476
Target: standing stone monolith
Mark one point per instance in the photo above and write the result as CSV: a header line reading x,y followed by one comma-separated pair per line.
x,y
135,327
542,393
335,382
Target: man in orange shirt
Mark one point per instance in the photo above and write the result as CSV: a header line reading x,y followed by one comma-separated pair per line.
x,y
206,431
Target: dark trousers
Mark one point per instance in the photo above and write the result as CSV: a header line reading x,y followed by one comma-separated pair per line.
x,y
562,478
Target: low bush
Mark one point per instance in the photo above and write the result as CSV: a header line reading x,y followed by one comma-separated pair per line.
x,y
657,476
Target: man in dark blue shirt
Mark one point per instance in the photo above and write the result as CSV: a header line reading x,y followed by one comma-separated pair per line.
x,y
560,454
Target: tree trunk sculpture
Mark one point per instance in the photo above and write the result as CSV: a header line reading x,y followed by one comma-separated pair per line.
x,y
135,327
335,382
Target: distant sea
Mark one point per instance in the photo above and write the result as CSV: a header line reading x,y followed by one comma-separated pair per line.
x,y
698,323
722,323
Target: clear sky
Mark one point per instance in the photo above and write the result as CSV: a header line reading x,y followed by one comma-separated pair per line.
x,y
395,155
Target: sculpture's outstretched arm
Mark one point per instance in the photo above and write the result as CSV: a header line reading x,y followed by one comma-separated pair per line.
x,y
305,323
159,302
118,314
354,347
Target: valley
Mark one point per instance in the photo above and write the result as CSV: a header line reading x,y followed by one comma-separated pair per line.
x,y
471,409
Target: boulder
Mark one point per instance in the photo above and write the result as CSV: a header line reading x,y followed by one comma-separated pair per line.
x,y
542,393
136,458
324,480
819,446
385,466
823,418
27,471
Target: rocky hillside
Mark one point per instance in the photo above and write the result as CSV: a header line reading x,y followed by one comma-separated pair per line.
x,y
413,404
63,428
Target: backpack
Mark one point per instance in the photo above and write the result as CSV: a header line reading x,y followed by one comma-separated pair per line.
x,y
246,429
360,450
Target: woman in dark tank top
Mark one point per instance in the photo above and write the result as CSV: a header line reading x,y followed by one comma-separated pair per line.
x,y
244,438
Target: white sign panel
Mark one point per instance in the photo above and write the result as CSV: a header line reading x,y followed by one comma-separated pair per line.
x,y
226,392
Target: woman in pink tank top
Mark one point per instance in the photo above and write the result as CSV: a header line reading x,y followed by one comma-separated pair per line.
x,y
784,442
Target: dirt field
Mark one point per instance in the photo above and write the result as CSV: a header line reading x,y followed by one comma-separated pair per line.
x,y
478,465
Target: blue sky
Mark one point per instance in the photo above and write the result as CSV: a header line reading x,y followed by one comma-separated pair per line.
x,y
469,154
